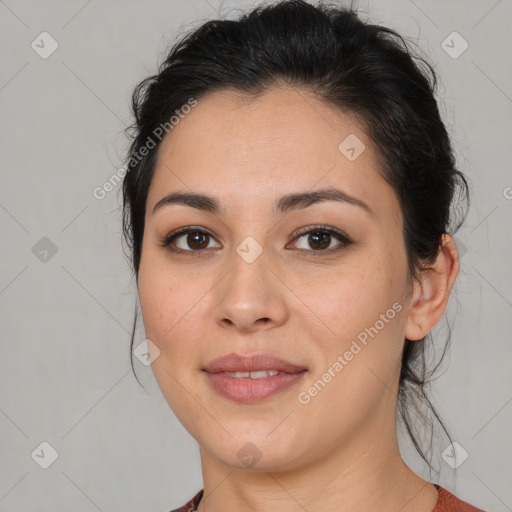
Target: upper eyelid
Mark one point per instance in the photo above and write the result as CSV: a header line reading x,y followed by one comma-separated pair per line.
x,y
302,231
342,237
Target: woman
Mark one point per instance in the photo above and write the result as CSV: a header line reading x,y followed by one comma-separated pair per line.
x,y
288,209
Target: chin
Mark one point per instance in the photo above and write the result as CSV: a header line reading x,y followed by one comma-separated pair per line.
x,y
254,451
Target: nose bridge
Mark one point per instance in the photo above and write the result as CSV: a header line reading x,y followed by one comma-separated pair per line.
x,y
249,273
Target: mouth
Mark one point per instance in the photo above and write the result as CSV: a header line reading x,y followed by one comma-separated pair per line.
x,y
258,374
251,379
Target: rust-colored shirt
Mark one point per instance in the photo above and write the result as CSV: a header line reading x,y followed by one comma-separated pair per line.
x,y
446,502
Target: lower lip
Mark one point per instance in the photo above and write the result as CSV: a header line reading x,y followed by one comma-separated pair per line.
x,y
247,390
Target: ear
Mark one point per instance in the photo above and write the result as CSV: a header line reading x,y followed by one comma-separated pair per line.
x,y
432,291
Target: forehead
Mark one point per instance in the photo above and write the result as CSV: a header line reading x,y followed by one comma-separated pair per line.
x,y
246,149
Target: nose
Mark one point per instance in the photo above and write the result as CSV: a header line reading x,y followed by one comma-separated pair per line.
x,y
251,296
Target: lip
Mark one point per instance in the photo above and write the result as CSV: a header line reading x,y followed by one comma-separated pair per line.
x,y
247,390
253,363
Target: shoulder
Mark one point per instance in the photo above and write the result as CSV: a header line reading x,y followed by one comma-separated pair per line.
x,y
448,502
191,504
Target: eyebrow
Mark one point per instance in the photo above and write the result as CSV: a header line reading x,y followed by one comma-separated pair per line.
x,y
282,205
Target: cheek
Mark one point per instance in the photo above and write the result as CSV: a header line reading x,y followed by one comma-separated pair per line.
x,y
162,297
174,304
364,311
352,300
361,355
167,308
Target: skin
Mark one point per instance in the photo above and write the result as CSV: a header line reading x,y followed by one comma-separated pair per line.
x,y
339,451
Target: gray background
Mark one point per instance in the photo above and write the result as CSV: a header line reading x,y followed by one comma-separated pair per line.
x,y
65,321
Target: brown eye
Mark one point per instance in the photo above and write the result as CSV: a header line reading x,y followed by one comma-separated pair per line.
x,y
188,240
317,241
320,240
197,240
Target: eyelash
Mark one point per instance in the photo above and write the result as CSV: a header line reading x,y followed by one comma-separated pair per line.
x,y
345,241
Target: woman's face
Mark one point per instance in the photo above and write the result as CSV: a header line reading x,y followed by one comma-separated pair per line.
x,y
333,306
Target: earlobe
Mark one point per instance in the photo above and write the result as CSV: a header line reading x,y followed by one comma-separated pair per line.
x,y
432,291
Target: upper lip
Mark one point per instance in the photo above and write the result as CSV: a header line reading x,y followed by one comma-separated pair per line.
x,y
239,363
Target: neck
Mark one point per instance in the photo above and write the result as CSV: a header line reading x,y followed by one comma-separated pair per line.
x,y
360,475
